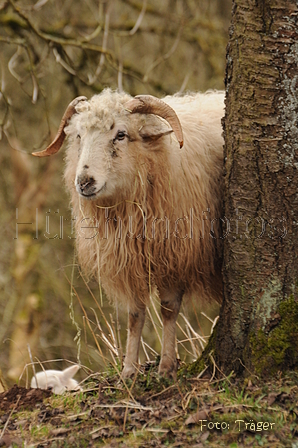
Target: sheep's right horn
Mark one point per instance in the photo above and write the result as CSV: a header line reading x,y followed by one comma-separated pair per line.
x,y
148,104
59,139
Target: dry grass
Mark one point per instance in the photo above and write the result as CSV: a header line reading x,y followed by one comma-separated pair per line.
x,y
105,334
150,411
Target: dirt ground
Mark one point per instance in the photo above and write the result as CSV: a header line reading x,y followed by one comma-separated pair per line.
x,y
153,412
18,398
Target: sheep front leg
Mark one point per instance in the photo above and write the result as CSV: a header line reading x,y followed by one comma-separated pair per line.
x,y
136,322
170,306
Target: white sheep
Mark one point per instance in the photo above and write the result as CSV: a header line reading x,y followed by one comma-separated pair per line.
x,y
145,178
58,381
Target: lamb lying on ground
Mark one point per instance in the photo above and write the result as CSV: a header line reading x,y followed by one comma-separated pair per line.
x,y
56,380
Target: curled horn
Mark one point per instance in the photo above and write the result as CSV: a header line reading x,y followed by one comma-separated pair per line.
x,y
59,139
148,104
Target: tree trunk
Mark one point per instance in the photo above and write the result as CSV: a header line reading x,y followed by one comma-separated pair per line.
x,y
30,196
258,328
3,386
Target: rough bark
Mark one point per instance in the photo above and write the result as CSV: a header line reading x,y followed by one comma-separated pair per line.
x,y
259,319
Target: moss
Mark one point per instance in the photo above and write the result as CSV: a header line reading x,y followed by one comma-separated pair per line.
x,y
277,349
200,364
267,351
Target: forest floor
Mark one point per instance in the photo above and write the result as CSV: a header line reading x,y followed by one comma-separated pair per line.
x,y
149,411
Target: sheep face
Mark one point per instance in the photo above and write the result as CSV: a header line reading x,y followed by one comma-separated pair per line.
x,y
111,148
102,161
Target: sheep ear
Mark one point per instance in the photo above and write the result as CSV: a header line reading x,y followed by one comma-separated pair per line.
x,y
70,372
148,104
147,133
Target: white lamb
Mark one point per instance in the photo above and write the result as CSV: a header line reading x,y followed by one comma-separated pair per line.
x,y
57,381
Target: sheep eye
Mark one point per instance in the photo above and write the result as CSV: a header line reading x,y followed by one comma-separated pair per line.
x,y
120,135
50,388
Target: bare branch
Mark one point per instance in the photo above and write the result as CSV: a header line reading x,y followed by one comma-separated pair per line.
x,y
38,5
61,61
104,44
165,56
12,63
120,73
49,38
13,41
140,19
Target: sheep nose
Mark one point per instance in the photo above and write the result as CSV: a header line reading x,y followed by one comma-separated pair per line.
x,y
85,184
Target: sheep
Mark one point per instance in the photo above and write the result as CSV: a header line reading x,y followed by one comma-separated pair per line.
x,y
57,381
145,180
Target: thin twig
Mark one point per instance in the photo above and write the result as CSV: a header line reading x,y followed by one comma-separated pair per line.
x,y
33,365
49,38
139,19
165,56
163,391
9,417
124,404
104,44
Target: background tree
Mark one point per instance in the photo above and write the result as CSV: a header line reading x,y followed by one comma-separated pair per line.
x,y
52,51
258,326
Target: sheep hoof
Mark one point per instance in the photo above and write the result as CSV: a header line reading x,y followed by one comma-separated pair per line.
x,y
128,372
168,368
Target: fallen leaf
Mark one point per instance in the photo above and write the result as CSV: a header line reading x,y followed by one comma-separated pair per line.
x,y
5,440
60,431
8,441
271,398
201,414
205,436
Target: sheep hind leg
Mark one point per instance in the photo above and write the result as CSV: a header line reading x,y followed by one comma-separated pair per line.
x,y
170,306
136,322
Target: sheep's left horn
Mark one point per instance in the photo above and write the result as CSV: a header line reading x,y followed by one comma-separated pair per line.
x,y
59,139
148,104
